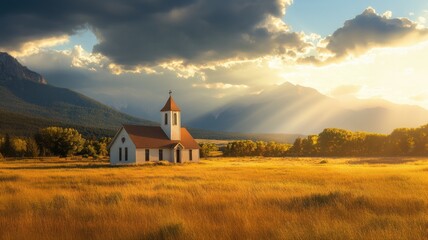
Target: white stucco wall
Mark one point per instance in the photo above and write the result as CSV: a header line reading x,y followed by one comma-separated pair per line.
x,y
195,153
114,149
185,155
138,156
171,130
141,156
154,155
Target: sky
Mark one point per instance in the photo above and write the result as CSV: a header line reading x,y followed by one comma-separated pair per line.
x,y
129,54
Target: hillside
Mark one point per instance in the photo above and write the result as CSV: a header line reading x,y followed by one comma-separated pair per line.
x,y
222,135
30,103
293,108
20,125
27,93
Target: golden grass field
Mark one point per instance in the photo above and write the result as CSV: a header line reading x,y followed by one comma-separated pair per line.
x,y
223,198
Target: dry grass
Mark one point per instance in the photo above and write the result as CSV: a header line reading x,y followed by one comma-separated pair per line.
x,y
227,198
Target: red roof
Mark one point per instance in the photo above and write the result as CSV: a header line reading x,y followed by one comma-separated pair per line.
x,y
170,105
155,137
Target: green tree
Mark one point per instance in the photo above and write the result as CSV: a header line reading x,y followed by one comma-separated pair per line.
x,y
334,142
32,148
100,148
19,146
420,136
374,145
60,141
207,148
401,142
261,148
7,148
310,146
1,146
88,148
297,148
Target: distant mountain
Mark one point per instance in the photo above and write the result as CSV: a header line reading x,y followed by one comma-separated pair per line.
x,y
293,108
222,135
22,125
28,103
11,69
27,94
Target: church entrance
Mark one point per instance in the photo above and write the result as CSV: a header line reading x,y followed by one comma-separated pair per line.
x,y
178,156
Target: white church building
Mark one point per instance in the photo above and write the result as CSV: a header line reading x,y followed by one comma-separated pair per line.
x,y
134,144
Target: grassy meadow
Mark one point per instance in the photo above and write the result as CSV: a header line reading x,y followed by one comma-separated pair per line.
x,y
219,198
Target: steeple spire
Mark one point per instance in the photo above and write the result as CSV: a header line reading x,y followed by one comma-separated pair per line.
x,y
170,105
171,119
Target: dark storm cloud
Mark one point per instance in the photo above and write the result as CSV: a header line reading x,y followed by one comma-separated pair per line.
x,y
369,30
148,32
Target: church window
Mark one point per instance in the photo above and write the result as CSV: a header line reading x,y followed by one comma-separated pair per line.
x,y
126,154
120,154
175,118
160,154
190,155
166,118
147,154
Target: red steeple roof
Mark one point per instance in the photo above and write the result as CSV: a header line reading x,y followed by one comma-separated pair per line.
x,y
170,105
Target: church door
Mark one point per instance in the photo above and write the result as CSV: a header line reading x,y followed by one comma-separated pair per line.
x,y
178,156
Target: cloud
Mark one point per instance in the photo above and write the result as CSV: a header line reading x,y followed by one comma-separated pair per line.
x,y
138,93
133,33
218,85
370,30
34,46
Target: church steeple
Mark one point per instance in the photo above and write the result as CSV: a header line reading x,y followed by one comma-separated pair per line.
x,y
170,119
170,105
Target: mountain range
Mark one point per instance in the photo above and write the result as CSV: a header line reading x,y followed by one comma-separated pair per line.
x,y
294,108
29,103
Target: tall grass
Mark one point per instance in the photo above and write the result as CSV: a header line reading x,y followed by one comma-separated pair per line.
x,y
224,198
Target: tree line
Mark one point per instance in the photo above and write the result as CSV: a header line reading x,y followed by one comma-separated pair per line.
x,y
53,141
331,142
334,142
255,148
339,142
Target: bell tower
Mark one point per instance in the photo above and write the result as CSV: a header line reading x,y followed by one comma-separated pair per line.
x,y
171,119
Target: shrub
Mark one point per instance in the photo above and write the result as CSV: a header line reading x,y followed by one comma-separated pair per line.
x,y
323,162
162,163
207,148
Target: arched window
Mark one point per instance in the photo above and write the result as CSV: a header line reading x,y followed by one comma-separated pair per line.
x,y
175,118
166,118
